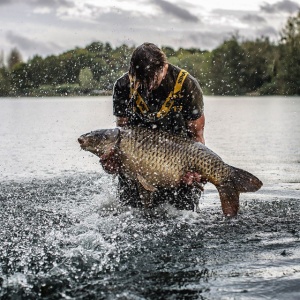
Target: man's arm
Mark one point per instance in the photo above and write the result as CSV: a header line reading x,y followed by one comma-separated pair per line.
x,y
121,121
196,129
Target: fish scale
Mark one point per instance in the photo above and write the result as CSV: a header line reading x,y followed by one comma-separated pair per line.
x,y
157,159
174,154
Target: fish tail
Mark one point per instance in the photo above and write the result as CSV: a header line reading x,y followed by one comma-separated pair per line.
x,y
240,181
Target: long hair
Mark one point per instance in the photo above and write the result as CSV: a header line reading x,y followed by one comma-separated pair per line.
x,y
146,61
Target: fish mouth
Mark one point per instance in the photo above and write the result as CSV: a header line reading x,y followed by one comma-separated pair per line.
x,y
82,143
85,144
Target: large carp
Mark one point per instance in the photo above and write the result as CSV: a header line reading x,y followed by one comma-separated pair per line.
x,y
158,159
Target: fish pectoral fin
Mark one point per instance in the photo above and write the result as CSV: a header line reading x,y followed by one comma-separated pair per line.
x,y
145,184
229,197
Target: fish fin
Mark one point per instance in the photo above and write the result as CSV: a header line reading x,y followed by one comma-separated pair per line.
x,y
244,181
229,197
146,196
145,184
240,181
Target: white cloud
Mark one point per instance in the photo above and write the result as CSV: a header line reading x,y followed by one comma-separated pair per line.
x,y
285,6
42,10
46,27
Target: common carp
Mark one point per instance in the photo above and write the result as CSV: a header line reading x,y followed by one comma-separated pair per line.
x,y
157,159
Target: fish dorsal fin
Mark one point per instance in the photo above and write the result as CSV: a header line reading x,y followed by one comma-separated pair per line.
x,y
145,184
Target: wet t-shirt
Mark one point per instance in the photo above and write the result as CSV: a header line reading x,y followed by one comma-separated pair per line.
x,y
187,107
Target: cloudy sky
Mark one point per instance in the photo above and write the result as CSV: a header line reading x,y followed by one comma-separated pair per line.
x,y
47,27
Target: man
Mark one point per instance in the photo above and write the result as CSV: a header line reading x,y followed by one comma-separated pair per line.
x,y
160,96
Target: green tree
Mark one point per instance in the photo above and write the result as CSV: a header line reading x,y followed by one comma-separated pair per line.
x,y
227,75
197,64
86,79
169,51
258,64
20,78
53,70
14,58
2,59
289,61
4,82
95,47
36,71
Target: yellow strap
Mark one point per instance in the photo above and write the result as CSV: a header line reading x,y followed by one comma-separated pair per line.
x,y
167,105
165,108
180,80
140,103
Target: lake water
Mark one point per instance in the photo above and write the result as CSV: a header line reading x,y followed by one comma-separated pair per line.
x,y
64,236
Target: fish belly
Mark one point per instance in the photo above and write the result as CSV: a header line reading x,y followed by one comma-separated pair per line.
x,y
159,160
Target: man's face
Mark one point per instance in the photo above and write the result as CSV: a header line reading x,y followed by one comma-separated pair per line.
x,y
158,77
154,83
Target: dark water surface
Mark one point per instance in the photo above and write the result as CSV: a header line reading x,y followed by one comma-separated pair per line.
x,y
64,236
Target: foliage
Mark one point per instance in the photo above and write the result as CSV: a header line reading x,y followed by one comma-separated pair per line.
x,y
236,67
196,62
86,79
4,82
1,59
14,58
227,70
289,71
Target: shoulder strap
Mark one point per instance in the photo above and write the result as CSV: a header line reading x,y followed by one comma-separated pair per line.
x,y
140,103
165,108
180,80
167,105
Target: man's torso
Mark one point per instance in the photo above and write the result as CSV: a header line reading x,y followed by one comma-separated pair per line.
x,y
186,106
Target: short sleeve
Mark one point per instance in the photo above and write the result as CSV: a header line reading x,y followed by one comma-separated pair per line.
x,y
121,94
192,103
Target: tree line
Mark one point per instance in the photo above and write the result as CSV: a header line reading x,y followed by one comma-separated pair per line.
x,y
236,67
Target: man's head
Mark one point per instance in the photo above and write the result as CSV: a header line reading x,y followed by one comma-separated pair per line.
x,y
147,65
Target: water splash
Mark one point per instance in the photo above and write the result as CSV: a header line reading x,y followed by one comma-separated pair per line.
x,y
68,237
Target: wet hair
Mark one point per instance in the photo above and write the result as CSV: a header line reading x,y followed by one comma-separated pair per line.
x,y
146,61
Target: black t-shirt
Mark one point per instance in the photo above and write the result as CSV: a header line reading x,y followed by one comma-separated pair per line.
x,y
190,102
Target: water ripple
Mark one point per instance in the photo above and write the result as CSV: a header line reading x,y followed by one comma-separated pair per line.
x,y
67,237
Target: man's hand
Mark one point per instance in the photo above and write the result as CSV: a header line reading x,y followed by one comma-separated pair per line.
x,y
196,129
193,178
110,162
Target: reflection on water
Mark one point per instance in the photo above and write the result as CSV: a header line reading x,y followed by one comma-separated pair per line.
x,y
63,234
